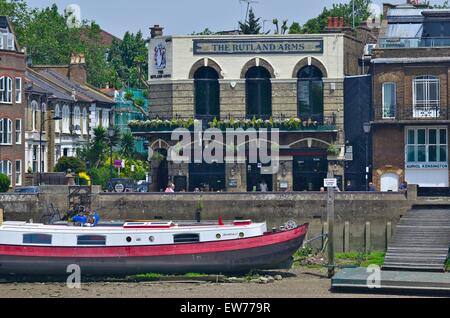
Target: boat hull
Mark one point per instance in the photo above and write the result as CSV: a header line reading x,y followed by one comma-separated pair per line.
x,y
271,251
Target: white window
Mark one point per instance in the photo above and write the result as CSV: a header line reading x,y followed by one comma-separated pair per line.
x,y
34,108
58,122
18,131
85,122
105,119
18,172
10,40
389,100
5,131
6,168
97,117
66,119
426,96
427,145
77,119
18,90
5,90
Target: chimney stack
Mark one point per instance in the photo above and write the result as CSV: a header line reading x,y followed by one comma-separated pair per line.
x,y
77,68
156,31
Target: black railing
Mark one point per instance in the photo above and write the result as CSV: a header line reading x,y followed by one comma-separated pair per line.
x,y
423,112
433,192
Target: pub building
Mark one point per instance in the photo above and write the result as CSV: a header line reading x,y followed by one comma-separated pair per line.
x,y
295,81
411,92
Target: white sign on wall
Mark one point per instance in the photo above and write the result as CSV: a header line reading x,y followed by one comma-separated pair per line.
x,y
330,183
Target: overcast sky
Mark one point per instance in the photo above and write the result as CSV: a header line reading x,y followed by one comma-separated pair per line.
x,y
186,16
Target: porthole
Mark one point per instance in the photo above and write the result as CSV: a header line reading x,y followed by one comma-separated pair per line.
x,y
129,239
218,236
151,238
241,235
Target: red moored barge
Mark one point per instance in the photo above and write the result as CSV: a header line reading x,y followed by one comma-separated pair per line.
x,y
143,247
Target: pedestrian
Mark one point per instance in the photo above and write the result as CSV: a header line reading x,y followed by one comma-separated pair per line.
x,y
170,188
372,187
322,190
403,187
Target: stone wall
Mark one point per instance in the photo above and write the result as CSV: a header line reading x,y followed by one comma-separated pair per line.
x,y
365,217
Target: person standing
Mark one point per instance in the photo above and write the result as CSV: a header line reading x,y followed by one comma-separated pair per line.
x,y
263,186
170,188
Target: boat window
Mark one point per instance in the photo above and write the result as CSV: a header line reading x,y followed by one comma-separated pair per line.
x,y
37,239
186,238
91,240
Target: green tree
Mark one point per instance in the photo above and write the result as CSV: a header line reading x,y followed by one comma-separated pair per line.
x,y
128,60
252,26
127,145
74,164
4,183
345,10
295,28
18,12
96,151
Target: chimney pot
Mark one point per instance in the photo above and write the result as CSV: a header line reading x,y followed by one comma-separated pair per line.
x,y
156,31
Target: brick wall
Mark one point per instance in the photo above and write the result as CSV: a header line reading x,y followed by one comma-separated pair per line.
x,y
12,64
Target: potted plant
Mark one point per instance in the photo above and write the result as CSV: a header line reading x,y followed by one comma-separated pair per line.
x,y
334,150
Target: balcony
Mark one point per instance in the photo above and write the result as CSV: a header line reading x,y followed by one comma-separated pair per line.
x,y
414,114
395,43
284,124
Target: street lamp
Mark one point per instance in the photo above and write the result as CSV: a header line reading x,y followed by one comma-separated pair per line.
x,y
111,133
367,128
54,118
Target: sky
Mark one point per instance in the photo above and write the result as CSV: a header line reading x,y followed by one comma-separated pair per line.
x,y
179,17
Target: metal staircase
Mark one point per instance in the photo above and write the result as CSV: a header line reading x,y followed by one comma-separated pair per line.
x,y
421,241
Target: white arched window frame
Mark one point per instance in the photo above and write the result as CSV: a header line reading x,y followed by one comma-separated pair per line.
x,y
66,119
6,168
77,119
5,90
58,122
85,122
5,131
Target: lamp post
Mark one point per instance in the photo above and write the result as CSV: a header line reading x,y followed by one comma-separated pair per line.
x,y
54,118
111,133
367,128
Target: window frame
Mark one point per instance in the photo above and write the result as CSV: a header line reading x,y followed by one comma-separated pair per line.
x,y
18,132
394,106
6,135
426,145
18,91
8,169
6,90
37,235
18,173
426,107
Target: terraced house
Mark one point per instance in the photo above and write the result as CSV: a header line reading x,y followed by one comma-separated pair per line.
x,y
12,105
411,68
293,82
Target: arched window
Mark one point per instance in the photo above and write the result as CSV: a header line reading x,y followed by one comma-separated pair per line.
x,y
426,96
34,117
58,122
5,90
5,131
310,93
77,119
207,93
66,119
85,122
258,89
105,118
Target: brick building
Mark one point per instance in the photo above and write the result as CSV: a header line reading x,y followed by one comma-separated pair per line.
x,y
411,69
12,105
282,78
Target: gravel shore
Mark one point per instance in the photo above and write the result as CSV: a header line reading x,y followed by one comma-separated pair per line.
x,y
297,283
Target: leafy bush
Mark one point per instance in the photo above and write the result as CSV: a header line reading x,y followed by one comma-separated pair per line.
x,y
72,163
4,183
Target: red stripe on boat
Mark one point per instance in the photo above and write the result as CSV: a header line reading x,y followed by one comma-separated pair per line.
x,y
159,250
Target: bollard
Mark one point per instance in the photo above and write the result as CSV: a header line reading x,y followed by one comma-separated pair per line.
x,y
367,238
347,237
1,216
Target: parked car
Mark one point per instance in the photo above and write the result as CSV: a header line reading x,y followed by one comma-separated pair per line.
x,y
33,189
143,187
121,185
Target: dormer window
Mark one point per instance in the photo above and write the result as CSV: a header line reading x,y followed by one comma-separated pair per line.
x,y
6,40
